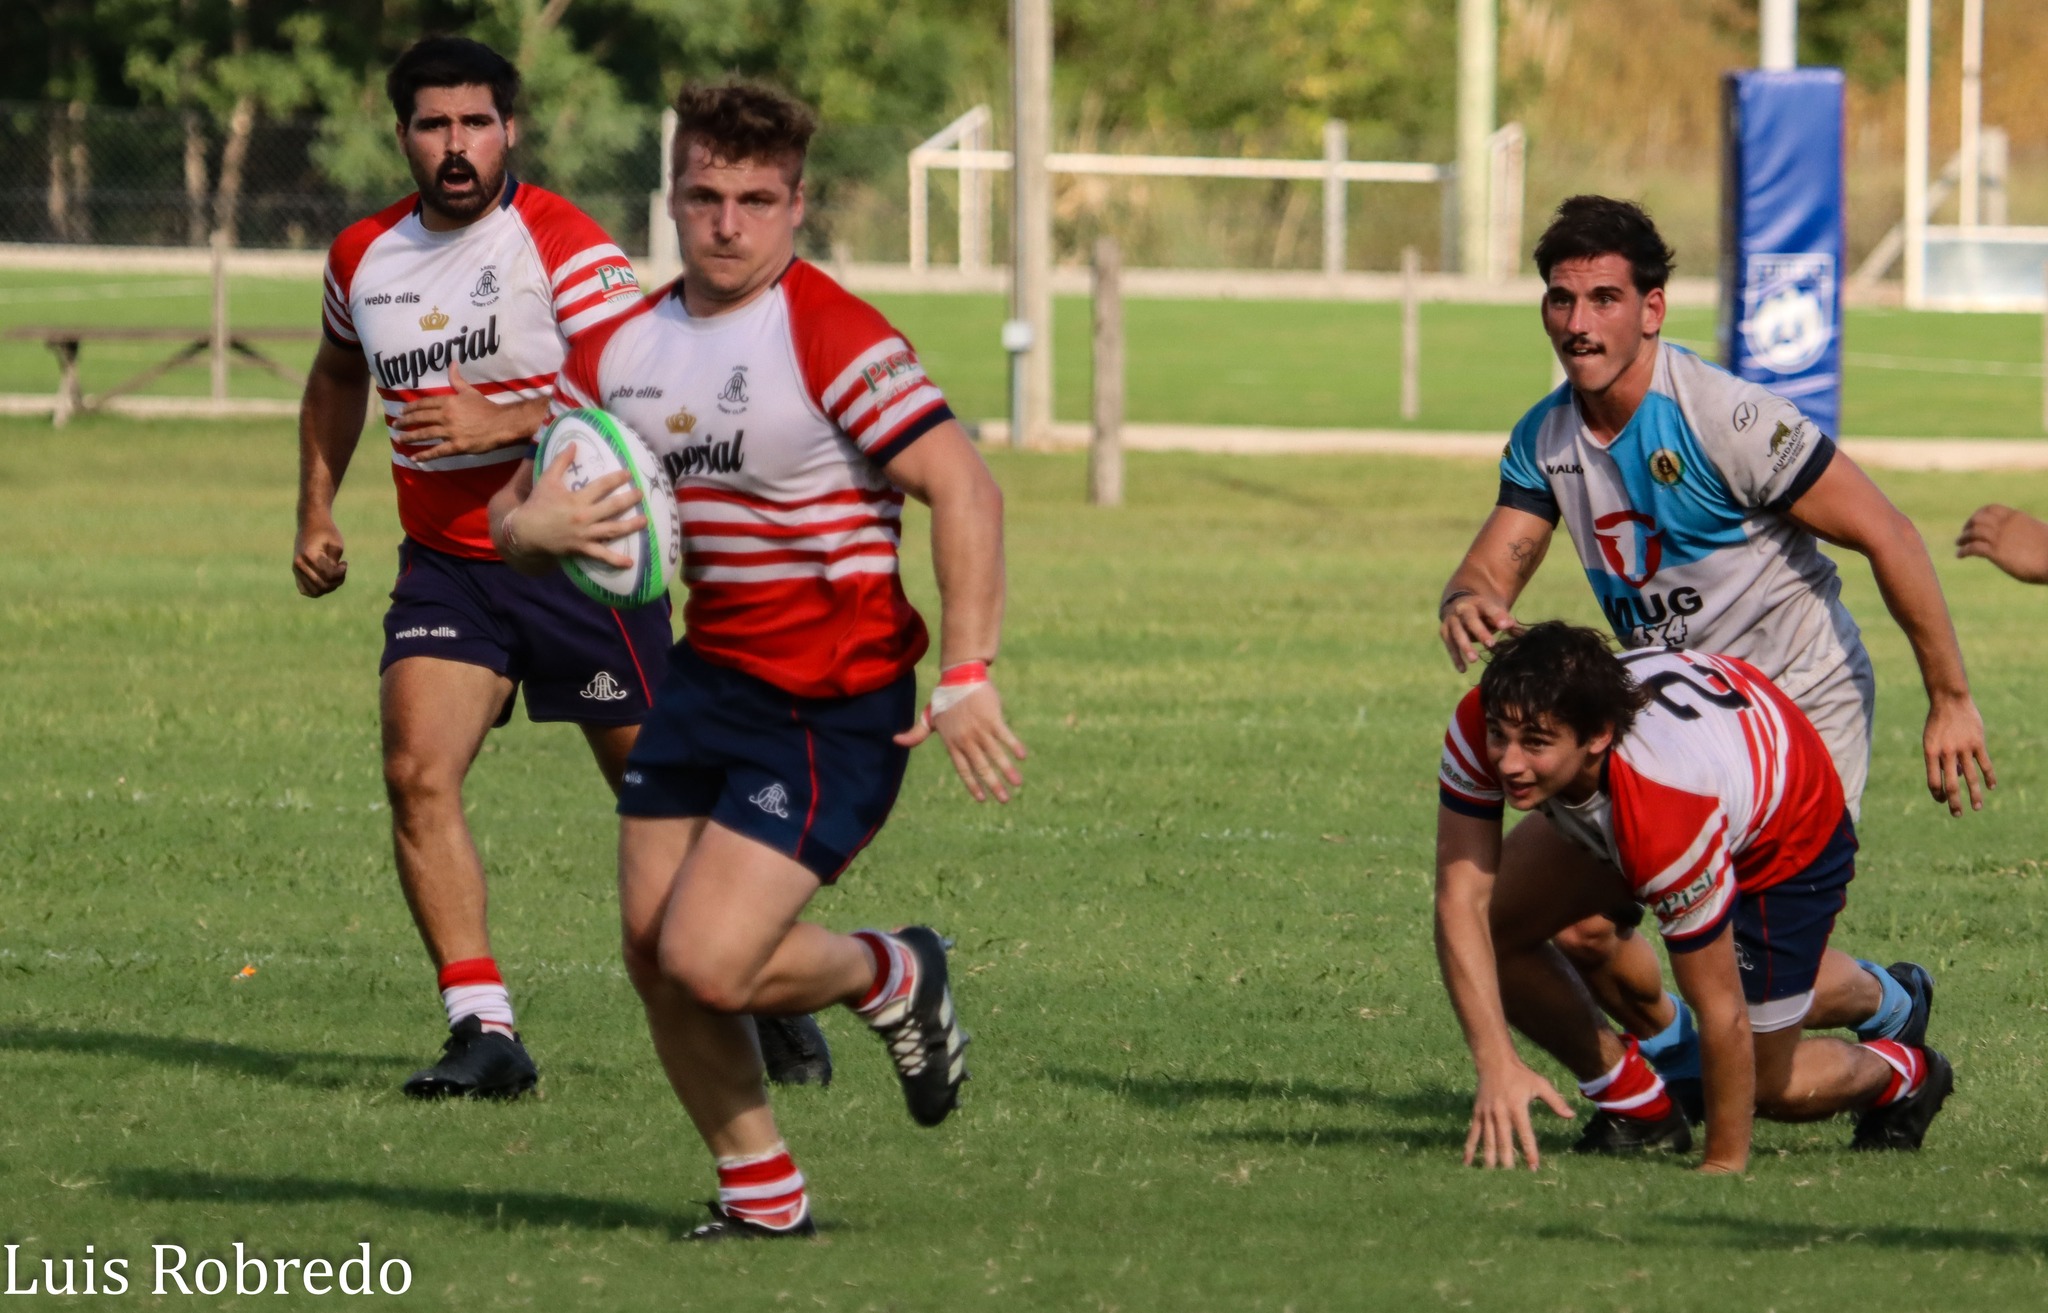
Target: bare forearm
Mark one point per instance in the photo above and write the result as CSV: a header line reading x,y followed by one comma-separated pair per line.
x,y
1912,593
330,425
967,557
1728,1070
1464,953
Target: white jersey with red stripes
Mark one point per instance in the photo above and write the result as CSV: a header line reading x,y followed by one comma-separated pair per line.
x,y
775,421
502,298
1721,786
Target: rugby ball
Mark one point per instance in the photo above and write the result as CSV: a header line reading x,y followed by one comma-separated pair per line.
x,y
596,444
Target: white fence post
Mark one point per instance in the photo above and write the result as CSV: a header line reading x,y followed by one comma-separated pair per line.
x,y
220,315
1336,146
1105,446
664,249
1411,333
920,213
1507,151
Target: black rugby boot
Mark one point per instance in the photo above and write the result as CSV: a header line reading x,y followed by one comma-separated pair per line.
x,y
476,1064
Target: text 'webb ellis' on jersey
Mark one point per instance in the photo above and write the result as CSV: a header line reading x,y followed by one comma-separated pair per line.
x,y
774,422
1722,785
501,299
1681,523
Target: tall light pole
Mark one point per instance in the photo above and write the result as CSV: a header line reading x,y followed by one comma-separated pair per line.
x,y
1478,72
1028,335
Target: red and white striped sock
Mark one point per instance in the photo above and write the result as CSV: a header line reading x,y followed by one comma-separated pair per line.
x,y
1909,1069
1631,1089
895,978
473,988
765,1189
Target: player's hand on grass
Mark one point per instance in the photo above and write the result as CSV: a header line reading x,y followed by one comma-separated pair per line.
x,y
318,566
985,752
1468,622
558,520
464,422
1956,755
1500,1117
2014,541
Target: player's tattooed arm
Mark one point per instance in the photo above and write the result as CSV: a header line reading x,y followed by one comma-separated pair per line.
x,y
1475,605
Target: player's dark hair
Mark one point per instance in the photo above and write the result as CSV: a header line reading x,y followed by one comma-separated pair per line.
x,y
1589,226
451,61
1562,673
740,121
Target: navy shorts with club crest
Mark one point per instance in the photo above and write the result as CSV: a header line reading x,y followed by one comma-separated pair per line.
x,y
812,778
578,660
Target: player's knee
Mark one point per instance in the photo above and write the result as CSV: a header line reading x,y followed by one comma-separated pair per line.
x,y
1589,944
413,780
642,956
710,984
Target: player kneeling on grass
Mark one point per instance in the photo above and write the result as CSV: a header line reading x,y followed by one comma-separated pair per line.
x,y
1714,802
795,420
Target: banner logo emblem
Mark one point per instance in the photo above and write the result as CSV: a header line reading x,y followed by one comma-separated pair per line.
x,y
1788,309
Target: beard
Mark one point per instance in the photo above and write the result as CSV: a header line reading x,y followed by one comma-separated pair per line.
x,y
459,189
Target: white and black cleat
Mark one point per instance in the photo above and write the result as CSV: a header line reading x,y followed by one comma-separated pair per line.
x,y
923,1034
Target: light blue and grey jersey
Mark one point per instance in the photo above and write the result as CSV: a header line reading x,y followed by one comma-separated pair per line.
x,y
1681,522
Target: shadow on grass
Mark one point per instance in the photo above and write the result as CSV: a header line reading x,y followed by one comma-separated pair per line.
x,y
1779,1236
316,1070
1169,1092
1263,491
496,1208
1447,1111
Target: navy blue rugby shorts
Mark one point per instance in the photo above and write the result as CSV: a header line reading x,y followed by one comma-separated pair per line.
x,y
813,778
577,659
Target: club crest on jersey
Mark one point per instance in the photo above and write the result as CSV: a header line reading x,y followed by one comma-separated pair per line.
x,y
486,291
732,399
1632,545
433,320
1665,467
682,423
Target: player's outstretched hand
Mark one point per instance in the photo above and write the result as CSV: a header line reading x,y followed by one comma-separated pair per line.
x,y
985,752
318,566
462,422
1468,622
2014,541
1956,755
560,520
1500,1117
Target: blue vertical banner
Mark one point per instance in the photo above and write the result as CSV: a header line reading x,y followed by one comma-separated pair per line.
x,y
1782,236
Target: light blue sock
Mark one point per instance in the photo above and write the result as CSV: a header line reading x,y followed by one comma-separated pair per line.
x,y
1893,1010
1675,1050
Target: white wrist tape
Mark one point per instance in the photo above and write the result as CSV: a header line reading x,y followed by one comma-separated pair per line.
x,y
956,685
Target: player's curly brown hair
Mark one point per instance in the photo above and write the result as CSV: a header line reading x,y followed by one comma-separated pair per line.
x,y
738,120
1562,673
1588,226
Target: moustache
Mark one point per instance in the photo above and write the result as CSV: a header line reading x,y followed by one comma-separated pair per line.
x,y
455,171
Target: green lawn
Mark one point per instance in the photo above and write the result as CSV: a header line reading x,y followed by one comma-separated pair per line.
x,y
1213,1068
1303,363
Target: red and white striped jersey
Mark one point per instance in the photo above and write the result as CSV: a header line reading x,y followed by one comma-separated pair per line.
x,y
502,298
775,421
1722,785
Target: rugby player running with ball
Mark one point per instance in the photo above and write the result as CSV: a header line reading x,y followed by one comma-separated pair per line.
x,y
793,420
461,300
1697,503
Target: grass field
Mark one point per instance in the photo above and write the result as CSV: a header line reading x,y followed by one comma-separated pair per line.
x,y
1311,364
1213,1067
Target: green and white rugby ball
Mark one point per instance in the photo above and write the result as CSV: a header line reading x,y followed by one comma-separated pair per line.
x,y
596,444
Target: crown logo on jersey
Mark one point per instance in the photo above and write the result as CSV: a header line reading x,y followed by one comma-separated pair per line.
x,y
682,422
434,321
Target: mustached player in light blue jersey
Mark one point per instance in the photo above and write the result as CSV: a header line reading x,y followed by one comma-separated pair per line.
x,y
1697,503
